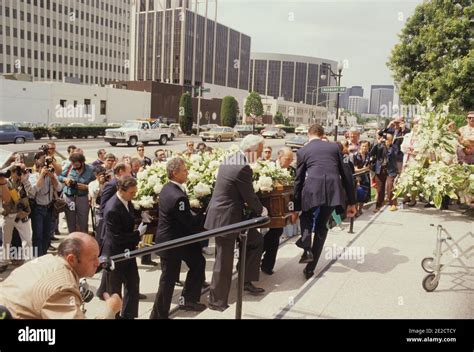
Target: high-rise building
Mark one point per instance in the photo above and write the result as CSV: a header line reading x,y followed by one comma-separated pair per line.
x,y
176,45
380,96
84,41
294,78
355,91
358,105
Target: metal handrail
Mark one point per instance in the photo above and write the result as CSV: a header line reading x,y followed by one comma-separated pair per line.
x,y
108,263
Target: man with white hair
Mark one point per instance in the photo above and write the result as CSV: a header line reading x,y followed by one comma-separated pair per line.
x,y
234,189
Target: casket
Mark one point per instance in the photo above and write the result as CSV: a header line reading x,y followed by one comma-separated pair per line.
x,y
279,203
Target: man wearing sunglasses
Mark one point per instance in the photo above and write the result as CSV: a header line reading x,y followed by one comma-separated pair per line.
x,y
467,132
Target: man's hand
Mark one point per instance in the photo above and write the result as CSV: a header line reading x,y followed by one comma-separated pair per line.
x,y
44,171
294,217
351,211
67,181
114,302
101,179
142,229
264,212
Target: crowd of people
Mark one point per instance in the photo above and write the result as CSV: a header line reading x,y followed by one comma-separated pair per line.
x,y
331,180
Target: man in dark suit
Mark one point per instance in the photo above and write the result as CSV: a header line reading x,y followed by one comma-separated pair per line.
x,y
175,221
233,190
120,237
321,185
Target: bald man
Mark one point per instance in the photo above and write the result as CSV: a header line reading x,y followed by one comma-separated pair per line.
x,y
48,287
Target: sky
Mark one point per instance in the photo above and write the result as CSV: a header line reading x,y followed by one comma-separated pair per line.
x,y
361,33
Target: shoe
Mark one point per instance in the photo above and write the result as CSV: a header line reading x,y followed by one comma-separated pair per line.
x,y
267,271
308,274
428,205
249,287
142,296
205,284
376,210
208,251
57,233
54,239
412,204
218,308
52,248
150,263
307,257
393,208
193,307
179,283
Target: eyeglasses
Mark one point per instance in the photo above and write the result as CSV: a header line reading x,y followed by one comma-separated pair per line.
x,y
141,150
470,117
267,151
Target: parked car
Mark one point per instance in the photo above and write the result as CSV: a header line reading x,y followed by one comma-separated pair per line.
x,y
297,142
173,132
218,134
136,131
273,132
302,129
208,127
177,127
243,130
329,130
9,133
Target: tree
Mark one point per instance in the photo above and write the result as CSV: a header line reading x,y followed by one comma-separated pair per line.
x,y
435,57
279,119
254,106
229,111
186,113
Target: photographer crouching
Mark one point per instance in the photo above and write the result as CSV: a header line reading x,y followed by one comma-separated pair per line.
x,y
49,287
76,178
16,212
45,186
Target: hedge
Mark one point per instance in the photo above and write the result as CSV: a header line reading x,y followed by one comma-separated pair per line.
x,y
67,132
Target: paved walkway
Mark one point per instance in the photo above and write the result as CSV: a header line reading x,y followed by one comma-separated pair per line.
x,y
378,276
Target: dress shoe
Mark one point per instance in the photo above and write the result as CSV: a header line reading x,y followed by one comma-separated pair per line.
x,y
249,287
193,307
205,284
54,239
150,263
267,271
179,283
307,257
218,308
308,274
142,296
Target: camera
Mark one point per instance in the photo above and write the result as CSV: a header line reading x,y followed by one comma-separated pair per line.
x,y
48,161
73,184
86,294
107,176
5,173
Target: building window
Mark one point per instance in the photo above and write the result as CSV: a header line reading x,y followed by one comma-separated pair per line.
x,y
87,105
63,102
103,107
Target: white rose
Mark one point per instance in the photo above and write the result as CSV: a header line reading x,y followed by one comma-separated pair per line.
x,y
193,176
142,175
195,158
158,187
256,186
202,190
195,204
265,184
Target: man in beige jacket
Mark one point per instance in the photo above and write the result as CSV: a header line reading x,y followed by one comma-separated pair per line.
x,y
48,287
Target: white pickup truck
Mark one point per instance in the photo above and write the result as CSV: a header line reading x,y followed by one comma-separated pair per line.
x,y
133,132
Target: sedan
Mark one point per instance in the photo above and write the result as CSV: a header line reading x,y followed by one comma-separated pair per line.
x,y
9,133
273,132
297,142
218,134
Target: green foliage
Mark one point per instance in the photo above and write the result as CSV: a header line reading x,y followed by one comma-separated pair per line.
x,y
435,56
229,111
186,113
253,105
279,119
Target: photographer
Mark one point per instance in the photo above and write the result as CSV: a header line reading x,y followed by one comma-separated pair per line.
x,y
397,128
385,155
45,184
76,191
16,211
49,287
50,151
96,189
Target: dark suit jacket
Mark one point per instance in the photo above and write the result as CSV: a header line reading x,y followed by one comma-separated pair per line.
x,y
110,189
175,219
321,177
234,189
119,224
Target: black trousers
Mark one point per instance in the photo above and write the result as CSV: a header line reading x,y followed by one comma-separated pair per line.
x,y
222,272
320,232
271,242
170,268
125,273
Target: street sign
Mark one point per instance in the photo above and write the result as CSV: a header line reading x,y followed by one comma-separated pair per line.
x,y
198,91
333,89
